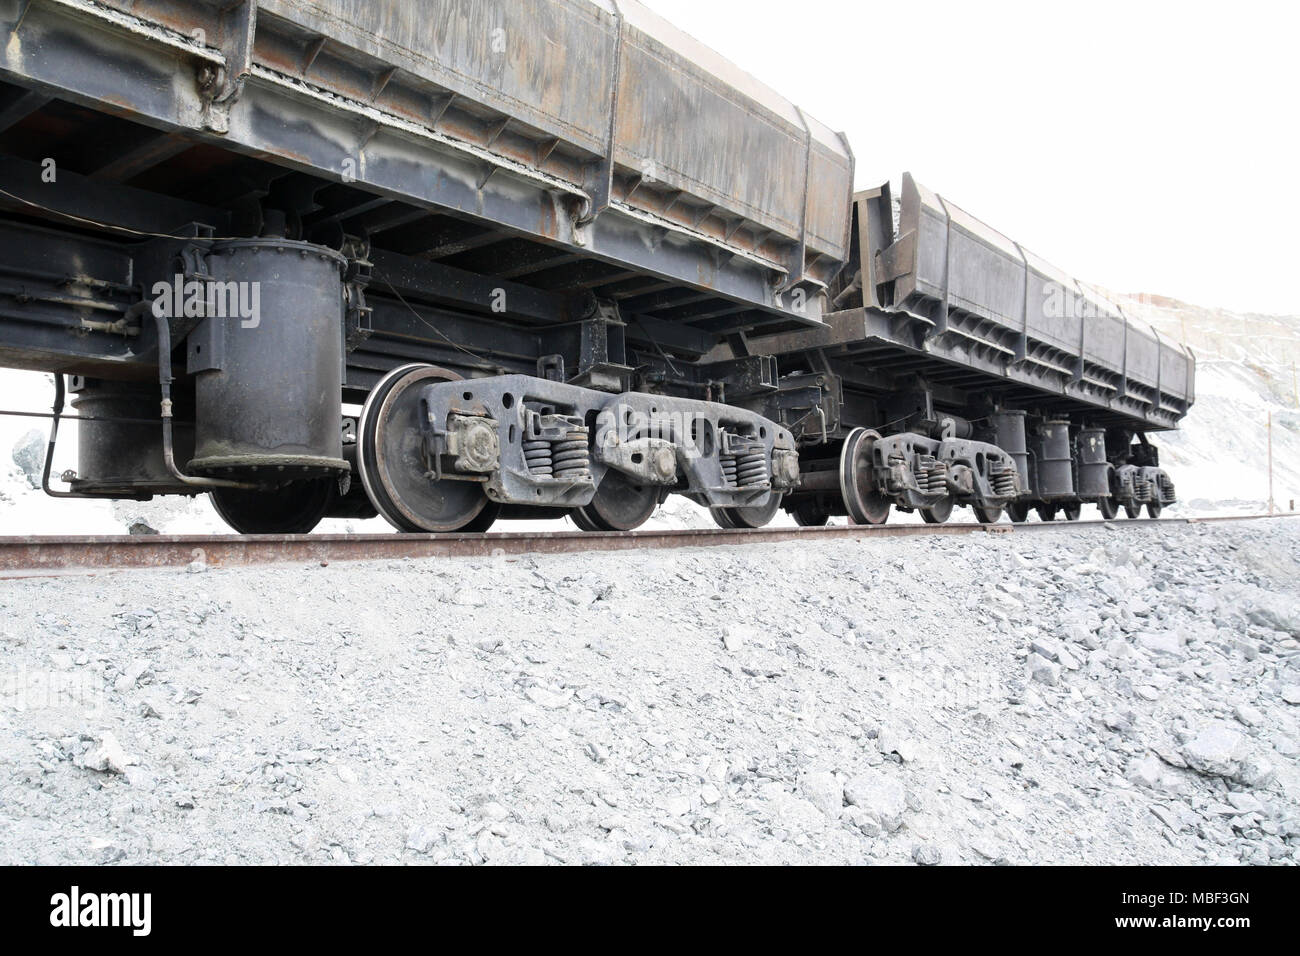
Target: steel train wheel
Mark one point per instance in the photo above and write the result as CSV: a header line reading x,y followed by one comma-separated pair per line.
x,y
746,518
864,503
1073,511
485,520
1108,508
295,508
391,461
1018,512
722,518
808,515
1154,508
620,505
938,513
1046,512
1133,511
989,515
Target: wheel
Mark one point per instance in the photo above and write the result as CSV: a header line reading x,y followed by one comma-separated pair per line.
x,y
743,518
620,505
722,518
485,520
1133,511
808,515
938,513
864,503
1108,507
295,508
1046,512
1154,508
390,459
1018,512
1073,511
989,515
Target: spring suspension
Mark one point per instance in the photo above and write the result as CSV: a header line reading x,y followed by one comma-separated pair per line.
x,y
537,453
728,469
556,446
932,476
744,462
570,457
1167,495
1003,479
751,468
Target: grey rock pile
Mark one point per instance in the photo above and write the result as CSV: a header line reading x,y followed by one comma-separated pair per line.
x,y
1095,696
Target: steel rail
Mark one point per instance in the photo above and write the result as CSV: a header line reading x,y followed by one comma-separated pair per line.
x,y
26,555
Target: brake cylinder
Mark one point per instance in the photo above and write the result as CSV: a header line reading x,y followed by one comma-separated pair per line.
x,y
268,360
1009,435
119,439
1055,466
1094,469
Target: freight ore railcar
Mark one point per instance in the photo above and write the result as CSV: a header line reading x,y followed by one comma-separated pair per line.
x,y
563,259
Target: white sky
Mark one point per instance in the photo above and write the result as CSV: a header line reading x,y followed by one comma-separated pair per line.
x,y
1145,146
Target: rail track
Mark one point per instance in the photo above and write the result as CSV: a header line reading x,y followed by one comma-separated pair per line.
x,y
22,556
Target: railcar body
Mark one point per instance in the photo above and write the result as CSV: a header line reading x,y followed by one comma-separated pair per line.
x,y
566,260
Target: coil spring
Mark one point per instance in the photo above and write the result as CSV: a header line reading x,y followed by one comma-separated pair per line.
x,y
1167,495
1141,489
570,457
537,453
933,477
1002,479
751,468
728,463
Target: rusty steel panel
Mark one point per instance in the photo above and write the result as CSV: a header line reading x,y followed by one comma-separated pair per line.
x,y
685,118
948,262
830,172
696,122
587,123
1104,345
545,63
577,89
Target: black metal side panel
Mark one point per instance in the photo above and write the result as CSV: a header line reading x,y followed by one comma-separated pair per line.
x,y
961,297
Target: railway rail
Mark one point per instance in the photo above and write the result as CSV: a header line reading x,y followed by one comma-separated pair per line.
x,y
27,555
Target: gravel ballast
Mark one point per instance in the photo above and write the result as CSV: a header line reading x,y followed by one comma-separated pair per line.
x,y
1104,695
